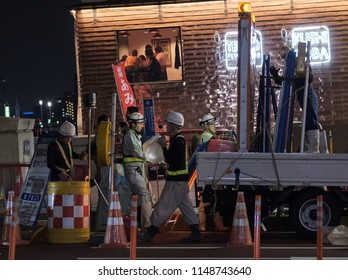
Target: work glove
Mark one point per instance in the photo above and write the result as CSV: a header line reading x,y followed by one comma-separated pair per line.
x,y
63,176
274,72
162,142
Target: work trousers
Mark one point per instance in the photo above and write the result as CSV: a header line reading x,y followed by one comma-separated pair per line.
x,y
175,195
312,107
102,208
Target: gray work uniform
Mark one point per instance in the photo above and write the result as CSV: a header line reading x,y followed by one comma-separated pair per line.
x,y
134,169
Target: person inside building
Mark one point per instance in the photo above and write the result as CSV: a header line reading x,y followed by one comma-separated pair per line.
x,y
207,122
132,61
132,66
155,72
134,166
142,60
175,193
103,183
162,59
312,133
123,59
60,154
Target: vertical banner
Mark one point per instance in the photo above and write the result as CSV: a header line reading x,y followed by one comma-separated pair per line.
x,y
149,114
124,89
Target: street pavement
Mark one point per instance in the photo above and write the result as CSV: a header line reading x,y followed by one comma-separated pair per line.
x,y
275,245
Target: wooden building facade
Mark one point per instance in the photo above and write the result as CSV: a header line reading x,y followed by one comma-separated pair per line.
x,y
207,85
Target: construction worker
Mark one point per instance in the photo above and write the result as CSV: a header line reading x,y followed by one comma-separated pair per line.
x,y
175,193
60,154
207,122
134,166
312,132
102,210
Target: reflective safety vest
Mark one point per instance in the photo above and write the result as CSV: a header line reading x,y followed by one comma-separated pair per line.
x,y
178,172
68,164
132,159
129,158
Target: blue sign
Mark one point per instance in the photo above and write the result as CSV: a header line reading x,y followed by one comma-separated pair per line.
x,y
149,114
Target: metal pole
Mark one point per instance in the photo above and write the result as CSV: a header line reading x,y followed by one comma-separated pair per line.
x,y
304,111
305,97
113,134
41,113
89,141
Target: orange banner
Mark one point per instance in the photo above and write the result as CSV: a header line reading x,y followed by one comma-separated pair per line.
x,y
125,92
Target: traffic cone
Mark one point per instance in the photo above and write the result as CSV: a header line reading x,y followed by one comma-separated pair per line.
x,y
240,234
115,234
11,206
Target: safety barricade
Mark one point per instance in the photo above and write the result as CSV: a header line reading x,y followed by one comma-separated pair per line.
x,y
68,212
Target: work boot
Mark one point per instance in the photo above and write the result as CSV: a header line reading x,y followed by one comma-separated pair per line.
x,y
149,235
312,141
195,235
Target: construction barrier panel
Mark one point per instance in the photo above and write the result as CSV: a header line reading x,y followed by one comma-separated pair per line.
x,y
68,212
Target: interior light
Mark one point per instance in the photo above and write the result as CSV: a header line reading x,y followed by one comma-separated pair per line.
x,y
124,34
153,30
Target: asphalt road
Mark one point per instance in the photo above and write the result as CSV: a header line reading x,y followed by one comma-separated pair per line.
x,y
275,244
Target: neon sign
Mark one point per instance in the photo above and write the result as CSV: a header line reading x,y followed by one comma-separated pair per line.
x,y
231,49
320,42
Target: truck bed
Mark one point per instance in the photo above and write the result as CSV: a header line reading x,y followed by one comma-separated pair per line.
x,y
279,169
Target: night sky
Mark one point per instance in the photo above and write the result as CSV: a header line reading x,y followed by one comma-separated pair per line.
x,y
37,52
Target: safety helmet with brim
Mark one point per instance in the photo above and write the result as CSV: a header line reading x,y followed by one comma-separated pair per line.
x,y
67,129
207,119
175,118
136,118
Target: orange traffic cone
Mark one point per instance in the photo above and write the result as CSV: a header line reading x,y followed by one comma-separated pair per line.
x,y
11,209
115,234
240,234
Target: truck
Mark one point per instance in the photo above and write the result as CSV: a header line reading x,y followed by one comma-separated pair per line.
x,y
285,180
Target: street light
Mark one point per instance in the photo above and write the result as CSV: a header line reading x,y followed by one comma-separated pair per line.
x,y
49,104
41,102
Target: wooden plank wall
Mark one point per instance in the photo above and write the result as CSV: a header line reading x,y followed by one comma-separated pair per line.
x,y
208,85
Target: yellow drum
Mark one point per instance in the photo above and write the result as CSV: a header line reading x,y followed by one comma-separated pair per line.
x,y
68,212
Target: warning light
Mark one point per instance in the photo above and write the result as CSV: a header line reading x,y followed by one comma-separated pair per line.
x,y
253,18
244,7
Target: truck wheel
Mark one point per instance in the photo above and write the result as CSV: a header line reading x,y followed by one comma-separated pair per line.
x,y
303,212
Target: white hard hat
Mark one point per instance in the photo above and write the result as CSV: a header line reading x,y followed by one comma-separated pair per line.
x,y
67,129
136,118
176,118
206,119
